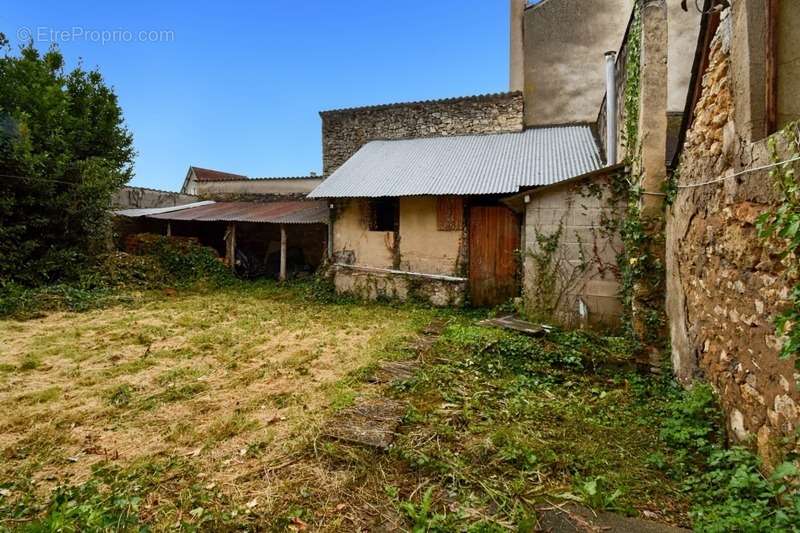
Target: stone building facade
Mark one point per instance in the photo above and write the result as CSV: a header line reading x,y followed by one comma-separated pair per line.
x,y
725,283
344,131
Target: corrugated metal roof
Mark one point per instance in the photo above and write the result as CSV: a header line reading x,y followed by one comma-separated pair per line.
x,y
464,165
143,212
297,212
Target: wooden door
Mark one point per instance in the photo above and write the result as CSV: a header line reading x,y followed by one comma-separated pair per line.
x,y
493,241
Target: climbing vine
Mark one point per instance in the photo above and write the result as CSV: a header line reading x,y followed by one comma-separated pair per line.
x,y
784,223
557,273
641,268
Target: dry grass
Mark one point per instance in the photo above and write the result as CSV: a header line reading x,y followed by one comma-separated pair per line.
x,y
226,389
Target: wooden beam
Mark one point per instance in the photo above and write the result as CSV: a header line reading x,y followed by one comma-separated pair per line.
x,y
230,246
282,275
771,48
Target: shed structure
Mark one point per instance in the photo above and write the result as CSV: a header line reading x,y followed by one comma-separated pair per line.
x,y
423,217
274,238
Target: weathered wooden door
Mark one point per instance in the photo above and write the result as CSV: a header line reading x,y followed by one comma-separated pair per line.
x,y
493,241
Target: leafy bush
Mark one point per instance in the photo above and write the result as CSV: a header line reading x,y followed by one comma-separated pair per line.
x,y
733,495
727,486
164,262
692,427
64,150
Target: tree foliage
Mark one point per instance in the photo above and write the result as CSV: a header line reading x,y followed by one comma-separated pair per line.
x,y
64,150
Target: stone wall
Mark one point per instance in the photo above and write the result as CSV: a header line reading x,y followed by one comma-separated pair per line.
x,y
372,285
140,197
584,264
725,284
344,131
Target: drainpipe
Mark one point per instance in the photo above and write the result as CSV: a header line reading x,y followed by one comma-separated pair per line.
x,y
611,108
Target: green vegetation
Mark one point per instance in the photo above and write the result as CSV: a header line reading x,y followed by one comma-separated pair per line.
x,y
783,224
206,410
180,410
160,262
64,151
502,422
728,488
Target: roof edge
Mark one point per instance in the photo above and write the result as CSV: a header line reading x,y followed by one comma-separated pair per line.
x,y
474,98
514,200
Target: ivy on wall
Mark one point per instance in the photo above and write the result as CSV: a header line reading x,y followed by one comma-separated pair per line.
x,y
783,223
641,268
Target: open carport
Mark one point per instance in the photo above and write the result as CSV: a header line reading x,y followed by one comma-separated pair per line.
x,y
278,239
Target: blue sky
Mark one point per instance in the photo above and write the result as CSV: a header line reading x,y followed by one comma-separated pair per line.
x,y
237,86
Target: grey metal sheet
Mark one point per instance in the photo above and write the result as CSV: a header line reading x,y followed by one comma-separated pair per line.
x,y
288,212
143,212
465,165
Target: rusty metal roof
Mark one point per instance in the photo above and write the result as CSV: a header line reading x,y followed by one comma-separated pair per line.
x,y
294,212
207,174
497,163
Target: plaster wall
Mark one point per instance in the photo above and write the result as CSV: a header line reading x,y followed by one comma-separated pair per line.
x,y
140,197
256,186
423,248
354,243
564,42
683,28
788,60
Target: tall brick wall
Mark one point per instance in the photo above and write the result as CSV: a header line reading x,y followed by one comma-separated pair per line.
x,y
725,284
344,131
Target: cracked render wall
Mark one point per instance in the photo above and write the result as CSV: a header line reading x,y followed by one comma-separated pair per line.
x,y
724,283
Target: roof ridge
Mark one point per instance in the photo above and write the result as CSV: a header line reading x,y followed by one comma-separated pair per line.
x,y
488,134
476,97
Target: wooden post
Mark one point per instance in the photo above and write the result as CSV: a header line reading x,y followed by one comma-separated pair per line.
x,y
230,246
169,229
282,276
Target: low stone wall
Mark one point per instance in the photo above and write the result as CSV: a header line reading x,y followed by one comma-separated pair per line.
x,y
373,284
140,197
725,284
344,131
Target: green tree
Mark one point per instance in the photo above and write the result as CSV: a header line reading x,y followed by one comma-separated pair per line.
x,y
64,150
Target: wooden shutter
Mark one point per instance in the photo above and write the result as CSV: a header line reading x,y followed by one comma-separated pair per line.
x,y
449,213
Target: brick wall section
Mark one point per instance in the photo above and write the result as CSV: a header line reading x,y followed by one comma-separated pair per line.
x,y
344,131
725,284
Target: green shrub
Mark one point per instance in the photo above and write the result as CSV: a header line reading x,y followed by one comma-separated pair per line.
x,y
160,262
728,489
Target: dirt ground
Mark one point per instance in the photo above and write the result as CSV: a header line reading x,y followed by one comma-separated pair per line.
x,y
224,388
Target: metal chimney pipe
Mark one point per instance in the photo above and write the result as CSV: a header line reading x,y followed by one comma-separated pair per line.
x,y
611,108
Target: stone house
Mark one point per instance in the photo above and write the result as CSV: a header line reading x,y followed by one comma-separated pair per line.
x,y
422,217
725,283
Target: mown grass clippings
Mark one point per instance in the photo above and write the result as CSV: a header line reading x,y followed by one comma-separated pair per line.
x,y
212,389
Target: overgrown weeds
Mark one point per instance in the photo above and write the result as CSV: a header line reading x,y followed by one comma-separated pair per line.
x,y
160,262
728,486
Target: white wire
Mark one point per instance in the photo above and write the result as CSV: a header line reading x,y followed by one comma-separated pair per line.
x,y
747,171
